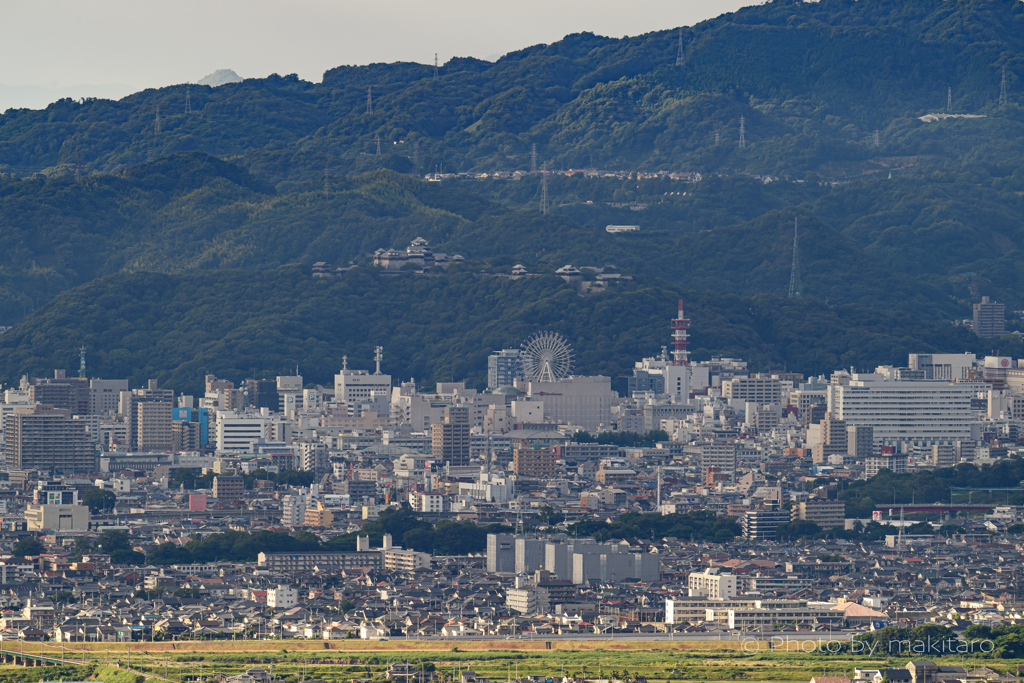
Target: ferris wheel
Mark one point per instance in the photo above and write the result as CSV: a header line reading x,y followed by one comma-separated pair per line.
x,y
546,357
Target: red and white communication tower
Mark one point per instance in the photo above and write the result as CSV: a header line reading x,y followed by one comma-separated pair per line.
x,y
680,334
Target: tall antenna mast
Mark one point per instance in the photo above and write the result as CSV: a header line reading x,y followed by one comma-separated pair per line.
x,y
188,99
679,49
1002,89
369,100
743,139
659,489
544,189
436,77
378,355
81,362
680,337
796,289
949,100
533,159
156,127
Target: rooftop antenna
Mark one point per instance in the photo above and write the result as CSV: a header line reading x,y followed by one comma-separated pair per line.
x,y
796,289
878,141
1002,89
378,355
679,49
369,100
188,99
436,77
743,139
81,362
544,189
415,154
378,145
156,127
949,100
533,159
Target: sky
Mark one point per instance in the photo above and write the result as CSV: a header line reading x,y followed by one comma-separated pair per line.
x,y
110,48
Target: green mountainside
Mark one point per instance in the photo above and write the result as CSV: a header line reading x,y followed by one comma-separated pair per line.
x,y
238,323
903,223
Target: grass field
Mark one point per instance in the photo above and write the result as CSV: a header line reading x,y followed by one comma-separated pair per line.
x,y
337,661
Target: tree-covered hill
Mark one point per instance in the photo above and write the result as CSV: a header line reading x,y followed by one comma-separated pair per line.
x,y
237,323
903,223
813,81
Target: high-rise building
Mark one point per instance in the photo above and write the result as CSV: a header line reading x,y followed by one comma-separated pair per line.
x,y
535,463
450,439
720,454
919,412
105,395
582,401
43,438
757,389
502,368
228,487
834,440
860,442
761,525
501,553
147,417
989,318
61,392
262,393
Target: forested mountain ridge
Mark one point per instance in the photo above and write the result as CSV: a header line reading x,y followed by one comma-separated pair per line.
x,y
903,223
809,78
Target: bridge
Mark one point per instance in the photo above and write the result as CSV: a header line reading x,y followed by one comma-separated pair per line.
x,y
21,658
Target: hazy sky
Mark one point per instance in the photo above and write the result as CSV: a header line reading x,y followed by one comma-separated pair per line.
x,y
52,48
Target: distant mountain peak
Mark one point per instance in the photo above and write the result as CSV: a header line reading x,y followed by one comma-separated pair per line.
x,y
220,77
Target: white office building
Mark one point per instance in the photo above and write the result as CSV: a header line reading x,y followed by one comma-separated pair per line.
x,y
359,386
920,412
711,583
236,432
